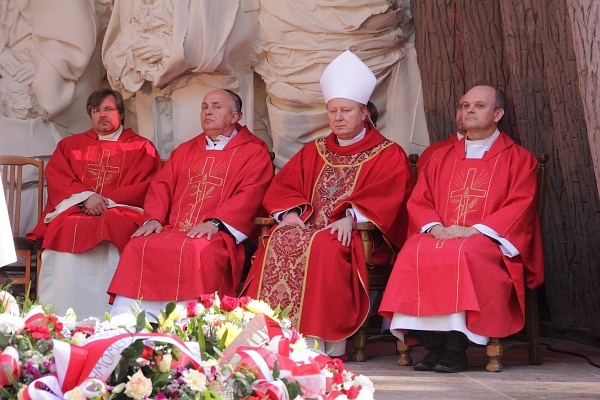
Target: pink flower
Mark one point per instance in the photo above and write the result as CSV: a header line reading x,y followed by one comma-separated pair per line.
x,y
208,300
191,308
138,387
229,303
244,300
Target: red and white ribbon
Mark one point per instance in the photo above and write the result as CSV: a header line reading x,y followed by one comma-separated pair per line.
x,y
9,365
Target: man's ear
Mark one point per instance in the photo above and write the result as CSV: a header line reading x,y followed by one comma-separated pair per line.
x,y
236,116
498,114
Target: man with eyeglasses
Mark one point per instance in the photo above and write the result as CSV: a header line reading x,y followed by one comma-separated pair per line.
x,y
97,181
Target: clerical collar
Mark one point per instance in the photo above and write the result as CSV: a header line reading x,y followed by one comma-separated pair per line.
x,y
112,137
221,141
477,148
355,139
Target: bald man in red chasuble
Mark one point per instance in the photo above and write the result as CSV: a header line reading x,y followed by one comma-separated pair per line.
x,y
474,240
199,209
313,259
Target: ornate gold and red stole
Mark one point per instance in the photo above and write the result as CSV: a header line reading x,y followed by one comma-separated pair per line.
x,y
104,163
288,250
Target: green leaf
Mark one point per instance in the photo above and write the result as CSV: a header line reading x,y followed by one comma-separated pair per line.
x,y
221,343
140,321
276,371
169,309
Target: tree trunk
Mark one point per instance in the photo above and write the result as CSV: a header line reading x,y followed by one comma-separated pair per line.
x,y
526,47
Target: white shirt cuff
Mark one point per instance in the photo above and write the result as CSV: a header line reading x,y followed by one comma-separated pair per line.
x,y
506,246
239,236
279,215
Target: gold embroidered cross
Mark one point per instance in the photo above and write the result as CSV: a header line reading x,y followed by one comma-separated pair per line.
x,y
467,196
204,182
102,171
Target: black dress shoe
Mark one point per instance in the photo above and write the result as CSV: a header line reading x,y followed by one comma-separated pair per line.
x,y
452,361
429,362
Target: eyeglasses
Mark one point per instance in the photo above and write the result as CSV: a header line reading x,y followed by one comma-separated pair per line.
x,y
105,109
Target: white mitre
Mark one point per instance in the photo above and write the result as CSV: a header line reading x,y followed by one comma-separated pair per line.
x,y
347,77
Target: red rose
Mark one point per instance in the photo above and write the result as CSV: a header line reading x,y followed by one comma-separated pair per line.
x,y
244,300
85,329
191,308
229,303
338,378
352,393
38,331
208,300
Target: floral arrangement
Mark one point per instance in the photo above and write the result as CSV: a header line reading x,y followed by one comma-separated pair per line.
x,y
214,348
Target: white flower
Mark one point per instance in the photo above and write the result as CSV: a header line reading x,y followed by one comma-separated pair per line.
x,y
326,373
341,397
233,330
196,380
11,324
365,394
9,303
69,320
164,365
365,383
285,322
75,394
79,338
237,314
126,320
260,306
299,345
199,308
138,387
247,316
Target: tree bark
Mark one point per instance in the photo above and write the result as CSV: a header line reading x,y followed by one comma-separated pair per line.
x,y
526,47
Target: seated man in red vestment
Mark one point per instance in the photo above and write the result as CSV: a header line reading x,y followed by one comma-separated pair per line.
x,y
313,260
97,181
474,241
460,133
198,210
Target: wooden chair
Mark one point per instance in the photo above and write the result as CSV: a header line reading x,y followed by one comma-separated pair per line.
x,y
532,342
20,272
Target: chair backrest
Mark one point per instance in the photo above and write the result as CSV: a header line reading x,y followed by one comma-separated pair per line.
x,y
542,184
542,179
12,181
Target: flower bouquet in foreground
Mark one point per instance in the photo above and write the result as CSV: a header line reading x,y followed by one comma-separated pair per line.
x,y
215,348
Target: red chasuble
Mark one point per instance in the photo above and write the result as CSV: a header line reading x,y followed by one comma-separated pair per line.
x,y
120,171
324,282
435,277
195,185
433,147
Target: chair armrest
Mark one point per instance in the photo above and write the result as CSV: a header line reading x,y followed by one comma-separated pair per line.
x,y
364,228
265,223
